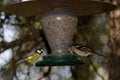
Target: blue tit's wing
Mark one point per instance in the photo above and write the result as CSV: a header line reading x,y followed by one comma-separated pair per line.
x,y
22,60
30,54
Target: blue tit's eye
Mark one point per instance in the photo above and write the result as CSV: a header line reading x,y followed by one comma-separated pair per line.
x,y
41,50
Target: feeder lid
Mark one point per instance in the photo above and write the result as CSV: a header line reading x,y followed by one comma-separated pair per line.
x,y
39,7
60,60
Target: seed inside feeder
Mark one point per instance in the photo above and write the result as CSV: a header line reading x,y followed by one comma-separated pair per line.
x,y
59,27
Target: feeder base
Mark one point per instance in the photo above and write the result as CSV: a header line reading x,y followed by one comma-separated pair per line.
x,y
60,60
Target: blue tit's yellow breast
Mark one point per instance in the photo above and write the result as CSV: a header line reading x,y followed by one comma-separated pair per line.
x,y
32,58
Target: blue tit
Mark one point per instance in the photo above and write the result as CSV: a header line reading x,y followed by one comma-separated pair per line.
x,y
34,57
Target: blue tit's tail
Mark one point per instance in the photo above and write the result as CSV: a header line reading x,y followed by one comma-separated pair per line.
x,y
20,61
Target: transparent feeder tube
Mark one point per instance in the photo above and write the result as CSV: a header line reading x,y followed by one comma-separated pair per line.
x,y
59,27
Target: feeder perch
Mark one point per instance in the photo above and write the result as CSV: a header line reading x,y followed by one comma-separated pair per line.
x,y
59,23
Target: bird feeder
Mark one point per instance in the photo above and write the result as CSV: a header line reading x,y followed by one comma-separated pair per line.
x,y
59,21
